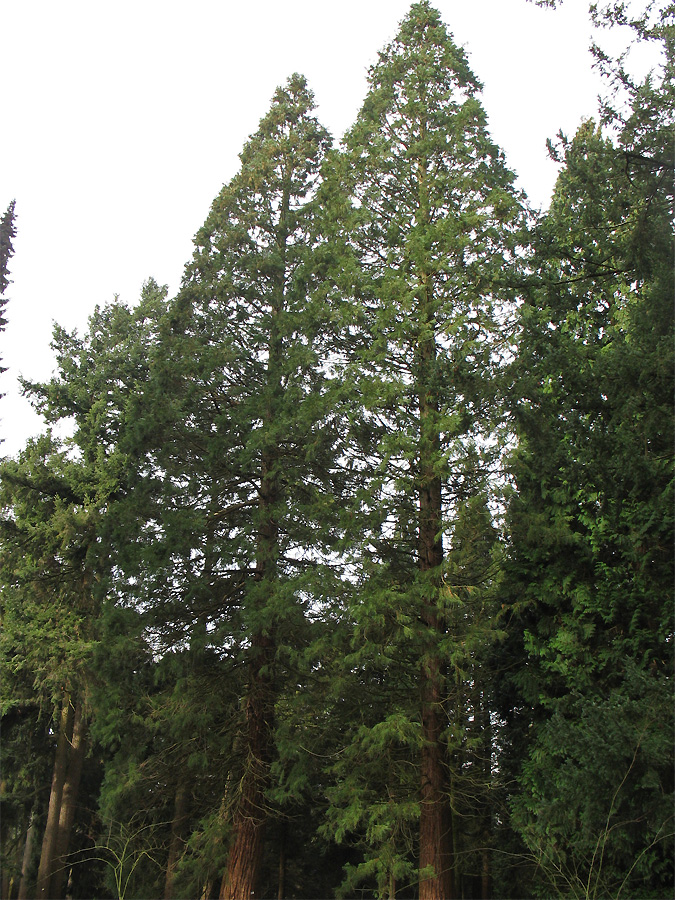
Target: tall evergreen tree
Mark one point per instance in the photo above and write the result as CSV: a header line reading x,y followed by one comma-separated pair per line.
x,y
64,506
592,522
49,621
432,233
250,437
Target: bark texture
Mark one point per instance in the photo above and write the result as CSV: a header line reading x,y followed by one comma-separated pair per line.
x,y
435,829
245,858
51,834
27,853
71,787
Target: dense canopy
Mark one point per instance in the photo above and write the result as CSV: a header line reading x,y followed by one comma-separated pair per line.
x,y
347,571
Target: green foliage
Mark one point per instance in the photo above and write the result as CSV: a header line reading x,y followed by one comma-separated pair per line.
x,y
61,504
433,228
246,423
48,532
7,235
596,807
131,854
591,568
269,552
429,249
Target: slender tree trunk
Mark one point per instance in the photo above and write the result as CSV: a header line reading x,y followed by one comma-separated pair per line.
x,y
71,787
250,820
27,854
486,735
435,825
281,893
177,841
485,875
50,839
435,834
457,877
4,839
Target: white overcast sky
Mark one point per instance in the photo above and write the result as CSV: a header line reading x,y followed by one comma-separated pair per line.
x,y
121,121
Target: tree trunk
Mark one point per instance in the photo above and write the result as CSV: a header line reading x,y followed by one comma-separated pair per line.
x,y
486,740
245,858
485,875
281,892
246,854
50,839
435,828
4,839
27,854
177,831
76,755
435,832
250,820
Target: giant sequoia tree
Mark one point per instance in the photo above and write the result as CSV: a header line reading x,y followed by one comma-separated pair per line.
x,y
250,437
432,237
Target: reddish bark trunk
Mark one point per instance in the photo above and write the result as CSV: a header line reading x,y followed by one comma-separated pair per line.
x,y
71,787
248,841
435,829
250,820
49,841
245,859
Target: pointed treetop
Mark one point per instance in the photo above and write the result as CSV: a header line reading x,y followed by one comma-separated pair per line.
x,y
424,40
7,234
289,120
279,171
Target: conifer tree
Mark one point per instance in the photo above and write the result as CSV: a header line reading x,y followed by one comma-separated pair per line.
x,y
432,237
64,506
592,524
49,620
251,435
591,566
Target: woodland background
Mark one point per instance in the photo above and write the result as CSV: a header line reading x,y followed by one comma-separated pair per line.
x,y
353,575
